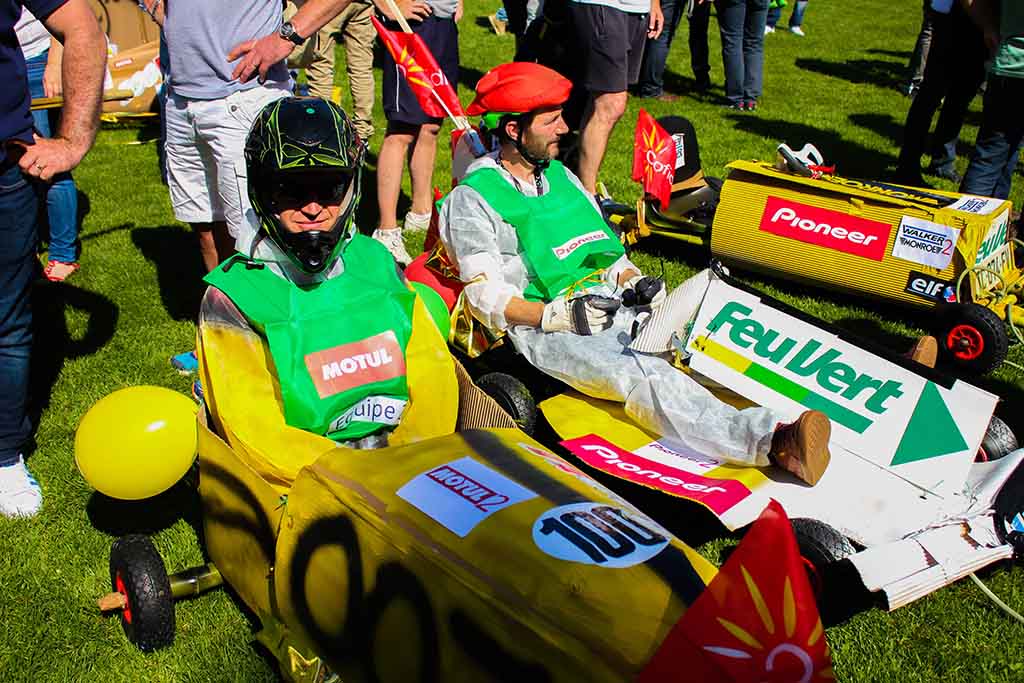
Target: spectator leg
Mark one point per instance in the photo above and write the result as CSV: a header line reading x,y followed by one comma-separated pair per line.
x,y
603,112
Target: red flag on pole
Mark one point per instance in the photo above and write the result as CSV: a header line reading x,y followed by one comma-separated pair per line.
x,y
756,621
421,71
654,158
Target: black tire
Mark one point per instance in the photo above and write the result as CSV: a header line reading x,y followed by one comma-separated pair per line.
x,y
137,571
972,338
998,442
820,545
1008,506
513,397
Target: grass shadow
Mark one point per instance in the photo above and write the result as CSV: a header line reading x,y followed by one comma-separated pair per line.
x,y
179,267
150,515
898,54
853,159
877,72
54,344
885,125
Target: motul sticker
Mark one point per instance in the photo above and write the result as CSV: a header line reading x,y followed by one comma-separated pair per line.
x,y
374,359
460,494
925,242
718,495
825,228
563,251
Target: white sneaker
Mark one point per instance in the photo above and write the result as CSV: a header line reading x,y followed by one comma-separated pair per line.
x,y
416,222
392,239
20,495
768,29
796,30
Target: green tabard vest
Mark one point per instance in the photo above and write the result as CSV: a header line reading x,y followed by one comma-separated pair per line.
x,y
339,347
564,239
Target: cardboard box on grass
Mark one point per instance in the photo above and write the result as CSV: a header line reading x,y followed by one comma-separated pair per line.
x,y
898,243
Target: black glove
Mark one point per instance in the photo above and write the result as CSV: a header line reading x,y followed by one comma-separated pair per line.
x,y
643,290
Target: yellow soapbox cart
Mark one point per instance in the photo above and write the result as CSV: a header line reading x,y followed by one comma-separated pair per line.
x,y
925,249
463,551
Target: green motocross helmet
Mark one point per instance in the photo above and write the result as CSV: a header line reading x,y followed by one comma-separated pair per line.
x,y
291,139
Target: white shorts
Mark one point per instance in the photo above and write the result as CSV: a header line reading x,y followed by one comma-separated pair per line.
x,y
206,154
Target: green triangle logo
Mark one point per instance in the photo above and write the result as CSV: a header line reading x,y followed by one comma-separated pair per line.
x,y
931,431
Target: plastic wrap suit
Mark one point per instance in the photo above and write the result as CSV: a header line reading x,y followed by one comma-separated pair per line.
x,y
656,394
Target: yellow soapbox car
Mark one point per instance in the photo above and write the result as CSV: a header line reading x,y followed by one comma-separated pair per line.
x,y
463,551
923,249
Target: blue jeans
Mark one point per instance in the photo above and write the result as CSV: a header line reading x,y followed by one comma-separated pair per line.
x,y
698,39
741,24
652,70
796,18
990,172
62,195
19,205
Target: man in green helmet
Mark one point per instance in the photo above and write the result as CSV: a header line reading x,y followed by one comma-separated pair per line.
x,y
311,312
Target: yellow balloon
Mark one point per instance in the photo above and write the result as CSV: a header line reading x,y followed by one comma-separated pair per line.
x,y
137,442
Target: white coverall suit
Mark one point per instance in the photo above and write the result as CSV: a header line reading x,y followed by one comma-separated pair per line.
x,y
656,395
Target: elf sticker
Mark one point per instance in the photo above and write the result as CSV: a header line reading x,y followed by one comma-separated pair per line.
x,y
920,241
460,494
374,359
595,533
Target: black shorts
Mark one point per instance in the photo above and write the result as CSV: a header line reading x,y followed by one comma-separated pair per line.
x,y
400,104
611,44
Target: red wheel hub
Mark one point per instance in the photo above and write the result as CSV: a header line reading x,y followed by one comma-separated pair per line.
x,y
965,342
120,588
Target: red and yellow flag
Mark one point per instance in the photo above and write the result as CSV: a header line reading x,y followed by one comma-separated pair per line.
x,y
756,621
654,158
421,72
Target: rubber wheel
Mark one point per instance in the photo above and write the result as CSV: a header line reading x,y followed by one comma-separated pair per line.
x,y
513,396
999,441
820,545
138,573
972,338
1009,505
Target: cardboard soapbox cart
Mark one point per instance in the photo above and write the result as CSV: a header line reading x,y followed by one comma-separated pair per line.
x,y
903,498
926,249
474,556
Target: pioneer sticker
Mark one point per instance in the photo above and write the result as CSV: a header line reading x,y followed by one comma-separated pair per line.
x,y
825,228
930,288
925,242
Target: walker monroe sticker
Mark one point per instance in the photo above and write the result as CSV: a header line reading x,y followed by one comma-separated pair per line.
x,y
924,242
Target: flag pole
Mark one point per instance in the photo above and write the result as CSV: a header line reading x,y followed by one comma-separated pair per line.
x,y
460,121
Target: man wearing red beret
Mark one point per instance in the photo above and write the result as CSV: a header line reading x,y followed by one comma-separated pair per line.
x,y
540,264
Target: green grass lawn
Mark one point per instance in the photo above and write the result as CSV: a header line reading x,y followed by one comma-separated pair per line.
x,y
133,304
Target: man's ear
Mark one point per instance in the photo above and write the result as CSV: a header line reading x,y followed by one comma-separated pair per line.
x,y
512,129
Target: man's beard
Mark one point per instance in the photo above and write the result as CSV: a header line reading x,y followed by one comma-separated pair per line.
x,y
540,151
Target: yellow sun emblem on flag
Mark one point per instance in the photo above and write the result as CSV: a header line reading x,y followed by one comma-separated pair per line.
x,y
772,645
652,150
410,68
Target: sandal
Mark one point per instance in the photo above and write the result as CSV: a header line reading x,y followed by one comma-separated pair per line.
x,y
59,271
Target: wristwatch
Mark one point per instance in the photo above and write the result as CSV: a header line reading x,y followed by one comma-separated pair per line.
x,y
287,31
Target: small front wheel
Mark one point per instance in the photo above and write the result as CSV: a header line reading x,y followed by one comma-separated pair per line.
x,y
972,338
513,397
138,573
820,545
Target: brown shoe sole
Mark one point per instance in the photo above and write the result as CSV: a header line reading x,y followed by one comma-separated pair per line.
x,y
813,433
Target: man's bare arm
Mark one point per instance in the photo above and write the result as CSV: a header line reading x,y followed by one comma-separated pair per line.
x,y
85,57
256,57
522,312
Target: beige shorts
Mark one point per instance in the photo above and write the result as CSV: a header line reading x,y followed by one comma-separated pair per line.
x,y
206,155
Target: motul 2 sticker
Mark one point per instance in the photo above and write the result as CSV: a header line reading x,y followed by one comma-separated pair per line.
x,y
825,228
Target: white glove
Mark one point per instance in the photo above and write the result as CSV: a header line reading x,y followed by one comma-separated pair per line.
x,y
583,315
643,290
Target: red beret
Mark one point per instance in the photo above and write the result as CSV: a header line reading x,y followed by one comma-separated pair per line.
x,y
519,87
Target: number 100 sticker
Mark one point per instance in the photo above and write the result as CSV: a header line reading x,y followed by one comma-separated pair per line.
x,y
594,533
